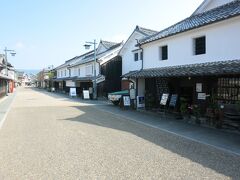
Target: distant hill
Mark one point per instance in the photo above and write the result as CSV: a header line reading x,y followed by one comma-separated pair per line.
x,y
30,71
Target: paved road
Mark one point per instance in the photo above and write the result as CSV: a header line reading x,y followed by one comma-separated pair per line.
x,y
47,136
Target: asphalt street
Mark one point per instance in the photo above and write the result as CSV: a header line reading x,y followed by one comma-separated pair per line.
x,y
46,136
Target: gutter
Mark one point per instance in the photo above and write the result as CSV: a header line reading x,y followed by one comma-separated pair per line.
x,y
142,55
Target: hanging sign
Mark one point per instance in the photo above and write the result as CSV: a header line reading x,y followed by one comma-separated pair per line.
x,y
100,79
164,99
202,96
126,100
70,83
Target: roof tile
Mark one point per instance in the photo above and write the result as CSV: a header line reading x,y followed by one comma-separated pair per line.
x,y
201,69
226,11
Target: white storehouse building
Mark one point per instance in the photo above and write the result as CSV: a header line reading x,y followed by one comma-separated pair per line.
x,y
78,72
132,56
197,59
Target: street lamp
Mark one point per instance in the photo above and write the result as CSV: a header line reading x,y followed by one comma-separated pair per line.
x,y
13,53
87,46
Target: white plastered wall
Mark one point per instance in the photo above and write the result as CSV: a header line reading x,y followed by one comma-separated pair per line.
x,y
222,43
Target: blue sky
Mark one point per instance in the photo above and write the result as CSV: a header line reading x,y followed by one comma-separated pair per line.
x,y
48,32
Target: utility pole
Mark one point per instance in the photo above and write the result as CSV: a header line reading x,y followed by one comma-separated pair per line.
x,y
87,46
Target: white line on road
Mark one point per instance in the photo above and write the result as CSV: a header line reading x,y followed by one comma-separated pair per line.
x,y
5,115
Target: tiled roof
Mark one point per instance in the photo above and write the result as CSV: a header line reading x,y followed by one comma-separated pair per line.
x,y
202,69
90,78
62,79
145,31
72,60
108,44
76,78
90,57
131,74
220,13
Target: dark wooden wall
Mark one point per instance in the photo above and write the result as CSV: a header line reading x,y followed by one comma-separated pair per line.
x,y
112,70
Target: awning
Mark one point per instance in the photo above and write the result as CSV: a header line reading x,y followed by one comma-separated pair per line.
x,y
88,79
85,79
63,79
230,67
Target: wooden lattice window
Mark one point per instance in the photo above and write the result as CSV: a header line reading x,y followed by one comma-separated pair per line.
x,y
229,89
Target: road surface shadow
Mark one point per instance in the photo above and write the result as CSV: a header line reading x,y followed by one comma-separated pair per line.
x,y
209,157
222,162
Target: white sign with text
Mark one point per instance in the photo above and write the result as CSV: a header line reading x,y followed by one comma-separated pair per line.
x,y
86,94
126,100
72,92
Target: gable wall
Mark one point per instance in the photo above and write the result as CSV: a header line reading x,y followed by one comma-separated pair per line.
x,y
128,63
101,49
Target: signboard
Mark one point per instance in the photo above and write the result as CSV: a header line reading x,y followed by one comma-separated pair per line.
x,y
100,79
173,100
86,94
164,99
72,92
126,100
199,87
202,96
70,84
140,102
132,93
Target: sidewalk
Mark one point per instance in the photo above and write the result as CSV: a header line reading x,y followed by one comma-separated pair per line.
x,y
216,138
5,104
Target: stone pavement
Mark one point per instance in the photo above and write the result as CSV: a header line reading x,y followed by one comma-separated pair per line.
x,y
47,136
217,138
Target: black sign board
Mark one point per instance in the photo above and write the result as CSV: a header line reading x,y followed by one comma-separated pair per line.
x,y
173,100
